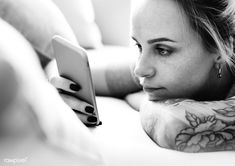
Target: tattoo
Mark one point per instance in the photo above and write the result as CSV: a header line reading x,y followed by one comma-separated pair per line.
x,y
176,102
208,133
228,111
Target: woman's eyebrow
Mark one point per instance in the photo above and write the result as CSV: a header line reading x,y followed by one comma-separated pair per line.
x,y
163,39
134,39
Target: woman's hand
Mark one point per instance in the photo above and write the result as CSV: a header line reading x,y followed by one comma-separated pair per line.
x,y
67,90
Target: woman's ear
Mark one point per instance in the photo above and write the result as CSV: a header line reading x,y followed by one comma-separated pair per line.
x,y
218,59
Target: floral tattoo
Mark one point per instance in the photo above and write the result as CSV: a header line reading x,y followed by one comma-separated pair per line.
x,y
208,133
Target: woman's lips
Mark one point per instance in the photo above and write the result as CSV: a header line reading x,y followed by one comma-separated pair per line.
x,y
151,89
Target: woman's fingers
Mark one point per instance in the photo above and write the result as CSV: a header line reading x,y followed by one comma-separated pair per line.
x,y
88,120
65,84
84,111
71,87
77,104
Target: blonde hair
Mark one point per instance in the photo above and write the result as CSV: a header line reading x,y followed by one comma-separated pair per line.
x,y
214,20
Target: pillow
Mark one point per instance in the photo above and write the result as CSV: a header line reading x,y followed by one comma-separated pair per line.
x,y
81,17
38,21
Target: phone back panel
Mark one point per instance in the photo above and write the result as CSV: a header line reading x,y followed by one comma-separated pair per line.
x,y
72,63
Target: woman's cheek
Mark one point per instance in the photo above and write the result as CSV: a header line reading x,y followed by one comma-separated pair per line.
x,y
182,83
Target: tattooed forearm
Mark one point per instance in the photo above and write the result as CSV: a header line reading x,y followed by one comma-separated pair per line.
x,y
191,126
207,134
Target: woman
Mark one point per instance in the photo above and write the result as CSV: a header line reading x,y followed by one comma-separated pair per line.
x,y
185,57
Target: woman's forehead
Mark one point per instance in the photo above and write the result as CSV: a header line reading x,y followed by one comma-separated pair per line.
x,y
161,18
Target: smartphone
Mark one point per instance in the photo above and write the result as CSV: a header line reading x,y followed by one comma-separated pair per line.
x,y
72,63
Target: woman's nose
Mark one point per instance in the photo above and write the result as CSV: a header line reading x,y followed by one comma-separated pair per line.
x,y
144,68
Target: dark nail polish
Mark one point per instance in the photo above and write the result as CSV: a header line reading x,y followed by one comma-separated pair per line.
x,y
74,87
92,119
89,109
75,110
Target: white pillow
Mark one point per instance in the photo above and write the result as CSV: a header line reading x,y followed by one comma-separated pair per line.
x,y
81,17
38,21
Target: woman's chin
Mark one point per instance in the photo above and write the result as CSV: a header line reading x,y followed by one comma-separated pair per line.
x,y
154,97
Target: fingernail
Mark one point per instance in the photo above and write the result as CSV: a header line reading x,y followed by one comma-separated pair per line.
x,y
89,109
92,119
74,87
75,110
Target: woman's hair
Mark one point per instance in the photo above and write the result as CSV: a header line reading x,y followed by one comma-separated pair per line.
x,y
214,20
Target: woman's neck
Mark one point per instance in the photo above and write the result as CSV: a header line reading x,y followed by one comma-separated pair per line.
x,y
224,85
217,88
231,91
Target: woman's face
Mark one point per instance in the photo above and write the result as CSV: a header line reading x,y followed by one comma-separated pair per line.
x,y
173,62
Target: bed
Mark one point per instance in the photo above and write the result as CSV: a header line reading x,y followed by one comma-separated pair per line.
x,y
40,129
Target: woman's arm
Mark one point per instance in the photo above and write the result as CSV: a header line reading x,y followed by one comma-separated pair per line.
x,y
114,80
191,126
111,70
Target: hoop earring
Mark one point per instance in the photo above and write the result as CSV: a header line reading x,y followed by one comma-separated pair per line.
x,y
219,75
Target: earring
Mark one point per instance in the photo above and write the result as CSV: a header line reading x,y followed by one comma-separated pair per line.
x,y
219,75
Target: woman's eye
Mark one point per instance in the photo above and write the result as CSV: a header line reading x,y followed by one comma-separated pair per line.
x,y
139,47
163,51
